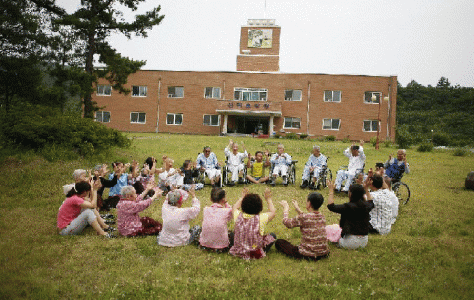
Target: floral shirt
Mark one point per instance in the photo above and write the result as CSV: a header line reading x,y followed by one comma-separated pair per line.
x,y
128,220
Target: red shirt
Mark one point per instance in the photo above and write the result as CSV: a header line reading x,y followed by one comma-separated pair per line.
x,y
69,210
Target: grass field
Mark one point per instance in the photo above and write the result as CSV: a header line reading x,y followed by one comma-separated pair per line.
x,y
428,254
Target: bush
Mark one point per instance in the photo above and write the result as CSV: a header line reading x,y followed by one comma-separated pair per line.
x,y
291,136
303,136
330,138
403,137
373,140
387,143
441,139
460,152
425,147
51,133
277,135
346,140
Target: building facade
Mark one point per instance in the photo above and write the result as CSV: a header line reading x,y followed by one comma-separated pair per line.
x,y
257,98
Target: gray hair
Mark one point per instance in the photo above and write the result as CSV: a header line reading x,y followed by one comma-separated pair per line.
x,y
403,150
78,173
316,147
97,168
127,190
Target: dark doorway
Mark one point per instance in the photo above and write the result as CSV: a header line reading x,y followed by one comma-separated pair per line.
x,y
251,124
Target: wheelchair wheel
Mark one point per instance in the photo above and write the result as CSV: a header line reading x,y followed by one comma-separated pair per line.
x,y
201,177
402,191
292,177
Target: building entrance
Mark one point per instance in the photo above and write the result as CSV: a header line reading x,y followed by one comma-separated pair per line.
x,y
249,124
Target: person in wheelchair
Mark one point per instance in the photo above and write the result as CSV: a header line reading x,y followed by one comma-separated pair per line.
x,y
356,164
314,165
395,167
256,167
281,162
235,162
207,163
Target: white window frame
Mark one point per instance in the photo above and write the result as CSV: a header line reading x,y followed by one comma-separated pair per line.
x,y
138,117
331,120
293,95
174,94
101,118
210,120
372,122
213,91
254,94
332,96
292,121
101,90
174,119
142,91
369,94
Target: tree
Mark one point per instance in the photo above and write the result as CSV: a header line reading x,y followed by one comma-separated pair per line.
x,y
92,24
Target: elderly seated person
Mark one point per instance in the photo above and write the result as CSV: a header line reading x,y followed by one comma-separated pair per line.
x,y
235,162
395,167
315,163
356,163
281,162
207,162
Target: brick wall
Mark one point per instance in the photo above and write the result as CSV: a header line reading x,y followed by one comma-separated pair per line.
x,y
352,110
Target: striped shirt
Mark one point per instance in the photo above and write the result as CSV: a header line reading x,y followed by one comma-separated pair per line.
x,y
313,232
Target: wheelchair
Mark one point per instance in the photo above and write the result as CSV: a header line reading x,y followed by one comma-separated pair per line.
x,y
321,181
291,172
357,174
226,177
401,189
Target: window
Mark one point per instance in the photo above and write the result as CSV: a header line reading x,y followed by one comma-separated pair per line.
x,y
331,124
138,91
250,94
102,116
371,125
104,90
212,92
211,120
293,123
175,92
368,97
138,117
332,96
174,119
293,95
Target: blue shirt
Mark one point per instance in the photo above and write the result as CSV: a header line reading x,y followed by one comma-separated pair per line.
x,y
121,182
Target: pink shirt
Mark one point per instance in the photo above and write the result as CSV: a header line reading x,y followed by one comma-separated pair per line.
x,y
214,226
128,220
69,210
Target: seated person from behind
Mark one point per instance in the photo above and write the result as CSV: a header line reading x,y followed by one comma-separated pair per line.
x,y
176,230
256,168
314,244
129,223
315,163
395,167
381,216
281,161
356,163
235,161
215,235
207,162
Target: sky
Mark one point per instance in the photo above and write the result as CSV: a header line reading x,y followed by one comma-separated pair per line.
x,y
419,40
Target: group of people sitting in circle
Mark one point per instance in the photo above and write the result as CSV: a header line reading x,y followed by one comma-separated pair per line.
x,y
372,206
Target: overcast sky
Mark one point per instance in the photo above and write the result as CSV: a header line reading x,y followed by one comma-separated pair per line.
x,y
418,40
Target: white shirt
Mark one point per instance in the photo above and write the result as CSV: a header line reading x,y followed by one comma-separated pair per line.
x,y
175,230
381,215
235,159
355,162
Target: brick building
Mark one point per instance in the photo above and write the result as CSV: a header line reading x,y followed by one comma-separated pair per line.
x,y
255,98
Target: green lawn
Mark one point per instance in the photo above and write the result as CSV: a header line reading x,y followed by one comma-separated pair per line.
x,y
427,255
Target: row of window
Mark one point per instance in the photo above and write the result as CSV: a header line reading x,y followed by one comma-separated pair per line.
x,y
240,94
214,120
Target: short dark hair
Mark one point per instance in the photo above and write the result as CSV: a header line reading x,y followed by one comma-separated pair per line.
x,y
186,163
258,152
379,165
116,163
252,204
316,200
357,193
79,188
355,147
149,161
217,194
377,181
